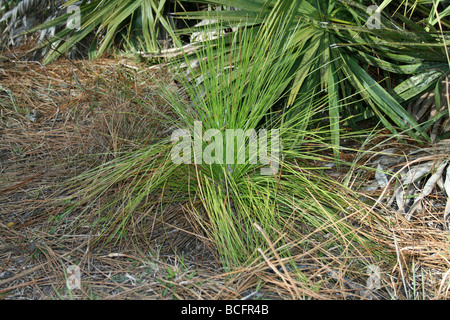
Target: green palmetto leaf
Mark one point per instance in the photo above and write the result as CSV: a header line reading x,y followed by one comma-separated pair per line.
x,y
310,55
65,46
250,5
417,84
113,21
381,98
109,16
57,21
410,69
227,16
149,26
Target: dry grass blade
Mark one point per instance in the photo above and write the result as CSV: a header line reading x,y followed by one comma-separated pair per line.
x,y
287,275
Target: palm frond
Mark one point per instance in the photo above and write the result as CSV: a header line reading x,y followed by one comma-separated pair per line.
x,y
337,33
21,18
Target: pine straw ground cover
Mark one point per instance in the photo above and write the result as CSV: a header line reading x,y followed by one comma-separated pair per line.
x,y
60,120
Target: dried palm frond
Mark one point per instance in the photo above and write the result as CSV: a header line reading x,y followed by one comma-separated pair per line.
x,y
22,17
417,174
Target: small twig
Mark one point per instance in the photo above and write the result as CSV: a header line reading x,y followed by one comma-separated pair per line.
x,y
400,264
22,274
21,184
55,118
